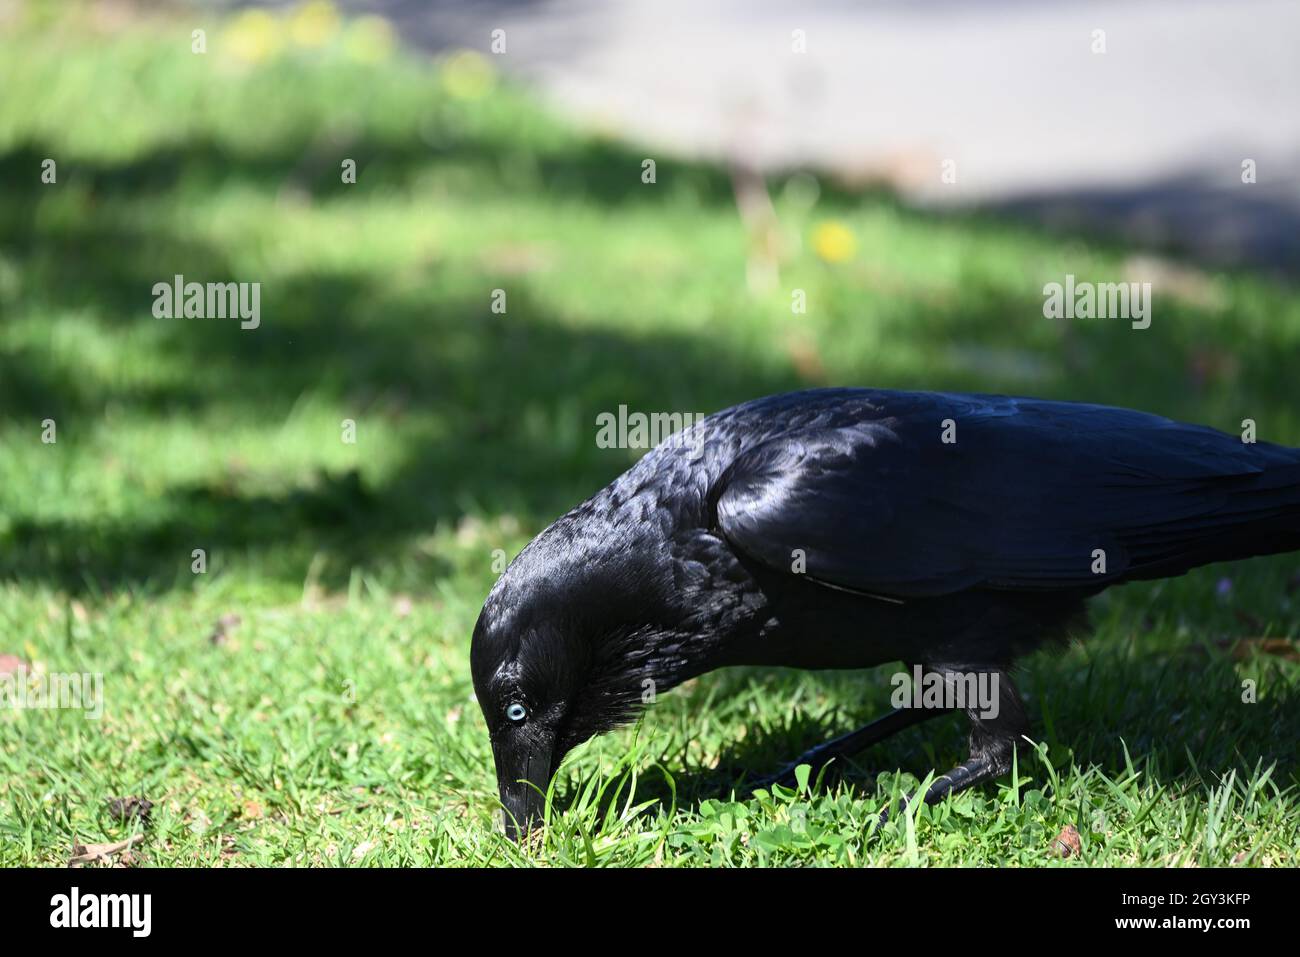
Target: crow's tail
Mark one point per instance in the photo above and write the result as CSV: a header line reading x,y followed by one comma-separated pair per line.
x,y
1249,512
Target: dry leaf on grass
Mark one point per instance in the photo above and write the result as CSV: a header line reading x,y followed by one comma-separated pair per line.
x,y
1067,843
91,853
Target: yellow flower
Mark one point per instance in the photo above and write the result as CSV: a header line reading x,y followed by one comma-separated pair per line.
x,y
833,242
368,39
468,75
314,24
254,37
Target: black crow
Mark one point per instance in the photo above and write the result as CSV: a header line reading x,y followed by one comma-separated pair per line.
x,y
847,528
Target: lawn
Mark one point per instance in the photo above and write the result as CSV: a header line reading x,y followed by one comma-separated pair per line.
x,y
306,698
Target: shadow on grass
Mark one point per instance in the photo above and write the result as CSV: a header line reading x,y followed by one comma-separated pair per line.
x,y
495,414
493,411
1129,712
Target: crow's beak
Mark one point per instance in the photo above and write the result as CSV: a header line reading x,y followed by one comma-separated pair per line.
x,y
523,773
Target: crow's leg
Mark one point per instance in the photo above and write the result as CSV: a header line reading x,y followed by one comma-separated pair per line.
x,y
850,744
997,724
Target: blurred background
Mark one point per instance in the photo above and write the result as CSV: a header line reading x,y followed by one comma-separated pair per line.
x,y
913,173
918,171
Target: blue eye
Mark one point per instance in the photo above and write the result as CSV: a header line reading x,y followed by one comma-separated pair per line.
x,y
516,712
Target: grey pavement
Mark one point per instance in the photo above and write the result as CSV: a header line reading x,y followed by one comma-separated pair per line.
x,y
1145,141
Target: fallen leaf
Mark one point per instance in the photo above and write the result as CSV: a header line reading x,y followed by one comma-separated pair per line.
x,y
12,665
1067,843
91,853
252,810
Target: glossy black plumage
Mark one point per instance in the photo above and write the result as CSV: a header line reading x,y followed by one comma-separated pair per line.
x,y
848,528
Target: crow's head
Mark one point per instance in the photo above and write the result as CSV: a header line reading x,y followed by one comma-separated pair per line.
x,y
559,655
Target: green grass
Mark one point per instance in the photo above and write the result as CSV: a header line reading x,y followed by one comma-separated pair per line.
x,y
336,725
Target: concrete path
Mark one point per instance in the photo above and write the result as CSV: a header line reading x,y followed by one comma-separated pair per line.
x,y
1146,139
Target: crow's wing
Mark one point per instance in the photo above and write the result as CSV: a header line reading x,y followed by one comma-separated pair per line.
x,y
1027,495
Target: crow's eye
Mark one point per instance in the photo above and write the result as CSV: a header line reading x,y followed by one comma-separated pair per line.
x,y
516,712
